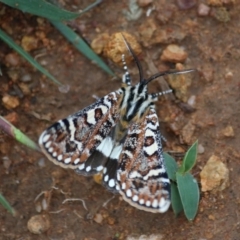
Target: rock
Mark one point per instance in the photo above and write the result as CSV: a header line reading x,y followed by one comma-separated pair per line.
x,y
12,59
173,53
116,46
220,2
180,83
187,132
29,43
221,14
145,237
99,42
186,4
144,3
228,131
203,10
10,102
215,175
98,218
38,224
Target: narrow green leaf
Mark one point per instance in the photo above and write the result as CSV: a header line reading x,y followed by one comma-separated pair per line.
x,y
8,128
6,204
189,194
81,45
175,199
171,166
41,8
8,40
189,159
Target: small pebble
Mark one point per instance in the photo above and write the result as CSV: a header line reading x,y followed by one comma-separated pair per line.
x,y
29,43
41,162
228,76
12,59
12,117
111,220
144,3
186,4
38,224
192,100
200,149
98,218
99,42
203,10
26,78
173,53
228,131
10,102
64,88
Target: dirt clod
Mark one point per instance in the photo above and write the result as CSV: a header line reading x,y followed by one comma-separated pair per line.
x,y
115,47
10,102
215,175
173,53
38,224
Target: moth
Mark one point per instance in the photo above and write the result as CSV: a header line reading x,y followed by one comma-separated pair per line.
x,y
119,136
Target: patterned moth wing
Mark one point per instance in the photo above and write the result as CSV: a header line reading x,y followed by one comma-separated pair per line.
x,y
141,176
81,141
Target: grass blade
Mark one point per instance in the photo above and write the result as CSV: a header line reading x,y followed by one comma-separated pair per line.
x,y
78,42
8,128
6,204
8,40
42,8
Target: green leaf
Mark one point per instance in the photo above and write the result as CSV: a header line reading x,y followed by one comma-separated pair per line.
x,y
81,45
189,194
6,204
8,40
171,166
189,159
175,199
41,8
8,128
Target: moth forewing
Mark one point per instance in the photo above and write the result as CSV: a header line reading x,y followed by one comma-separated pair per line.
x,y
141,177
71,141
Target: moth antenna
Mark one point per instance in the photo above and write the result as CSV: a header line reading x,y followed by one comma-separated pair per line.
x,y
126,76
140,70
157,75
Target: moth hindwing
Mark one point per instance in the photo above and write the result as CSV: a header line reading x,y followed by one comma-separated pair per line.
x,y
119,136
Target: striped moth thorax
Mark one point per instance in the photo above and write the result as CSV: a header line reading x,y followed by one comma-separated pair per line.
x,y
119,136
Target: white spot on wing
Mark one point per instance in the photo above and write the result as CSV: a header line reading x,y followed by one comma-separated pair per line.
x,y
88,168
111,183
106,178
60,157
82,166
148,203
129,193
135,198
47,144
45,138
67,160
76,161
99,168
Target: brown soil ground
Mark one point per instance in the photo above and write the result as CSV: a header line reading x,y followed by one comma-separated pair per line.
x,y
212,46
